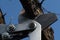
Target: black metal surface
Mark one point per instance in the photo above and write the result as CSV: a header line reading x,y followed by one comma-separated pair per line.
x,y
46,19
21,34
23,31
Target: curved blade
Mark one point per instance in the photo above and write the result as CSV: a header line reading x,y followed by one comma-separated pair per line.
x,y
46,19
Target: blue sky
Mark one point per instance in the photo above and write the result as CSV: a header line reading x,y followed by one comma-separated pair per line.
x,y
13,8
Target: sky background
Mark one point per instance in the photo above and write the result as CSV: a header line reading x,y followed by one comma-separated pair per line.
x,y
13,8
